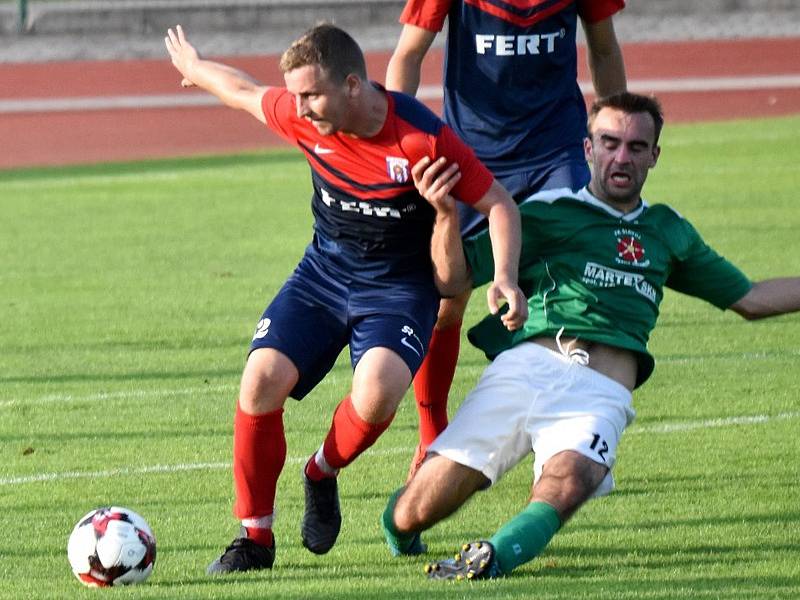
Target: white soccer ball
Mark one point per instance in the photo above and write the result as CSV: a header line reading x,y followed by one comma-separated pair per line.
x,y
111,546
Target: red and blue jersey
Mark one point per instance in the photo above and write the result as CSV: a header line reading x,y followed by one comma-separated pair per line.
x,y
510,84
370,223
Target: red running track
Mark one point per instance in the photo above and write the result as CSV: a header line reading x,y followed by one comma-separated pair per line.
x,y
757,78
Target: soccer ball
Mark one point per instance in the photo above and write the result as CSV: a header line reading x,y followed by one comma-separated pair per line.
x,y
111,546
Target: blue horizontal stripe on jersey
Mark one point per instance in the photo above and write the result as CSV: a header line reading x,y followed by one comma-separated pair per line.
x,y
345,177
525,12
417,114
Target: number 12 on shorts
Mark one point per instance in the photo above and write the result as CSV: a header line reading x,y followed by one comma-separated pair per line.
x,y
599,445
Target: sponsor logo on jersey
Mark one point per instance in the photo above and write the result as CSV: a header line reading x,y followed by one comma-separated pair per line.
x,y
320,150
517,45
262,329
397,168
410,340
630,250
601,276
364,208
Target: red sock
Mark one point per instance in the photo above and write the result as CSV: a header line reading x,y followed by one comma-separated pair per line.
x,y
349,435
313,472
259,453
261,535
433,380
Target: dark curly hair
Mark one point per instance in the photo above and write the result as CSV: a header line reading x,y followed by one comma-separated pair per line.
x,y
630,103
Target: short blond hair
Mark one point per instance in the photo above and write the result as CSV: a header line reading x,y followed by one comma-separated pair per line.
x,y
330,48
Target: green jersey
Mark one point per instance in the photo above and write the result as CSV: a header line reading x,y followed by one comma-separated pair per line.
x,y
599,274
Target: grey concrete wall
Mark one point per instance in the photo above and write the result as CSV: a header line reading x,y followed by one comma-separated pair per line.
x,y
707,7
8,18
146,16
129,29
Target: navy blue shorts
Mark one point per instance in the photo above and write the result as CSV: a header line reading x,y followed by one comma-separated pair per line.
x,y
314,316
573,174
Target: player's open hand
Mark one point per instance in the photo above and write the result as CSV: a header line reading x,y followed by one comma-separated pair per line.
x,y
182,53
435,180
517,312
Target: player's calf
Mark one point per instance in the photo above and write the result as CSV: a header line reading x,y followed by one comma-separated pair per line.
x,y
400,544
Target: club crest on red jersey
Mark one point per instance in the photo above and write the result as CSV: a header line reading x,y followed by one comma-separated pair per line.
x,y
397,168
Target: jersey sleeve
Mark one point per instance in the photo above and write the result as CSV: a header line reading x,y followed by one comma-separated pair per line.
x,y
703,273
427,14
278,107
478,252
597,10
476,179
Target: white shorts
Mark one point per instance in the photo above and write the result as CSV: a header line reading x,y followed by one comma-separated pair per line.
x,y
533,399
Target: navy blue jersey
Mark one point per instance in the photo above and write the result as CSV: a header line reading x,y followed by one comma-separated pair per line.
x,y
370,224
510,84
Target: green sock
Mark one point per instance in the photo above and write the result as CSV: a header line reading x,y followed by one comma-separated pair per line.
x,y
399,543
524,537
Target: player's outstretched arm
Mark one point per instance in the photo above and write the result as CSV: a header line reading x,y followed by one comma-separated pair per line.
x,y
233,87
769,298
604,56
405,65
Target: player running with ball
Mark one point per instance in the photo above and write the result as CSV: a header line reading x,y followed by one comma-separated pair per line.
x,y
365,281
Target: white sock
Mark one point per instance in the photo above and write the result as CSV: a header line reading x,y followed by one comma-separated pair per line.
x,y
259,522
319,459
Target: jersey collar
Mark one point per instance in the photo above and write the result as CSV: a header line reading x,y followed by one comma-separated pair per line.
x,y
586,196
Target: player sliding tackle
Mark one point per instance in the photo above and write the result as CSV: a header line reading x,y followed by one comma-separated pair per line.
x,y
365,281
595,264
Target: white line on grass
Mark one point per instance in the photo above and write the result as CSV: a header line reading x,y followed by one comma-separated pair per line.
x,y
747,356
712,423
165,393
178,468
113,472
122,394
212,466
426,92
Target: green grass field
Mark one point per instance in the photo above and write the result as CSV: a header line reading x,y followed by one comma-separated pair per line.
x,y
129,294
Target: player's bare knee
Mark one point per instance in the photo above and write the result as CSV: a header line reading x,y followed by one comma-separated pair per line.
x,y
375,407
380,380
267,380
260,399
